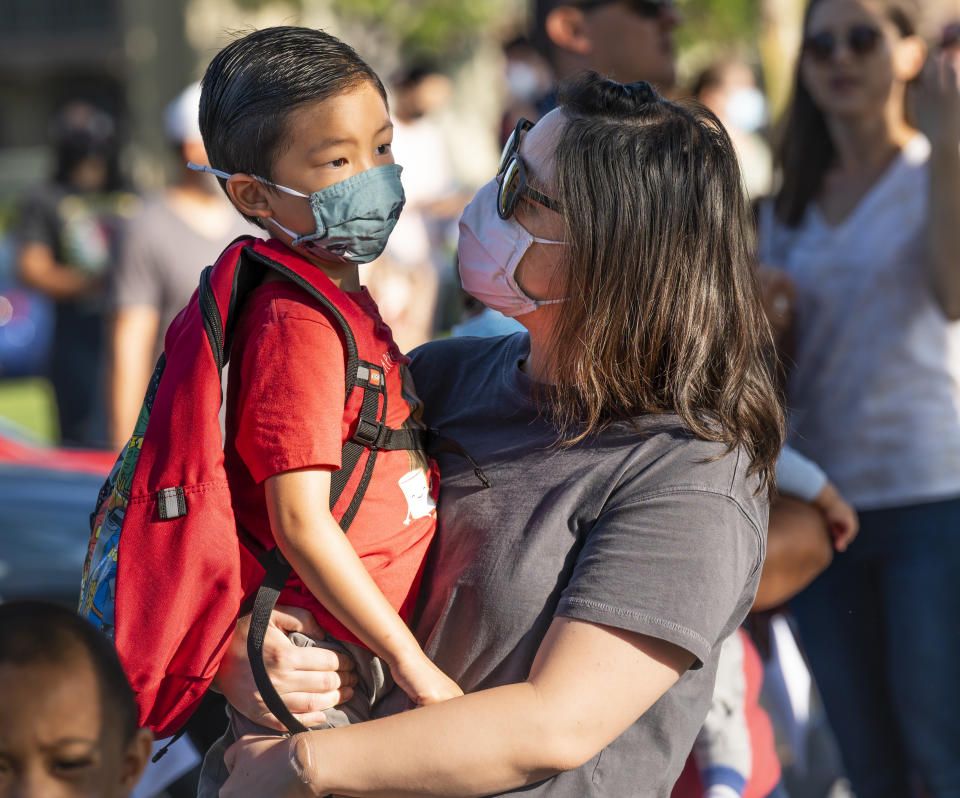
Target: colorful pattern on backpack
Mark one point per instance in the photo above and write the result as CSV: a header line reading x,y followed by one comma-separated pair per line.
x,y
98,584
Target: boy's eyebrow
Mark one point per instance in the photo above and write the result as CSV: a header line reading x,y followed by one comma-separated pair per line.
x,y
327,143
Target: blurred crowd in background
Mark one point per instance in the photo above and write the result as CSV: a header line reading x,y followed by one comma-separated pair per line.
x,y
104,230
98,127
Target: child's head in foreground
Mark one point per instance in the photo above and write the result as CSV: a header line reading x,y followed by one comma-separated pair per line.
x,y
297,108
68,718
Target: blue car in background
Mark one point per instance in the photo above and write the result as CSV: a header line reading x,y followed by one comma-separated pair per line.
x,y
46,496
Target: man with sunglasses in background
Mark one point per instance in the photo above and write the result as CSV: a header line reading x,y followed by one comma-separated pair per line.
x,y
627,40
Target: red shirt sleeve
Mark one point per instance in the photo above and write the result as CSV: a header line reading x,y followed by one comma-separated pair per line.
x,y
291,402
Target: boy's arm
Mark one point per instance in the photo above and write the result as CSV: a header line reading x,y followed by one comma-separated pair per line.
x,y
318,550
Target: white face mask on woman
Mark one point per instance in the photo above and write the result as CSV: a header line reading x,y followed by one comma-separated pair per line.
x,y
489,250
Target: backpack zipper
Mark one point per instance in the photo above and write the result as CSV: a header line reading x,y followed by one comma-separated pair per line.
x,y
212,323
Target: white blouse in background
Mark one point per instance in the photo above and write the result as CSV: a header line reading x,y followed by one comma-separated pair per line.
x,y
874,396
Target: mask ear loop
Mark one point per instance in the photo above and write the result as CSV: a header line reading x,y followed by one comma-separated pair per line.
x,y
219,173
225,176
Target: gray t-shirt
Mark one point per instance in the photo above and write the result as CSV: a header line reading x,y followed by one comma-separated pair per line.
x,y
655,533
162,259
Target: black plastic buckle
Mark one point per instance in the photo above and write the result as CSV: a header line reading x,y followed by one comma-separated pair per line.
x,y
369,433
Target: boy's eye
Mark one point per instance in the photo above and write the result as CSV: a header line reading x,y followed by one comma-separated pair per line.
x,y
337,163
384,149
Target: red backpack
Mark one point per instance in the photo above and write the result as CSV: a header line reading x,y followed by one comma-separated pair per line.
x,y
167,569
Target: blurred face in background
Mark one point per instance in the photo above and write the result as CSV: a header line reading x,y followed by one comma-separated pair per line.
x,y
58,737
90,174
854,59
634,41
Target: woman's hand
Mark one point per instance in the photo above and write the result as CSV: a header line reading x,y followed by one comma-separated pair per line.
x,y
841,518
936,102
264,766
309,680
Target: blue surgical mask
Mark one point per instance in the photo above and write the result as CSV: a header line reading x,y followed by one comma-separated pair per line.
x,y
354,218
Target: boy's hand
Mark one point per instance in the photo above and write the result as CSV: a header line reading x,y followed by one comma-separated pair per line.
x,y
841,517
423,681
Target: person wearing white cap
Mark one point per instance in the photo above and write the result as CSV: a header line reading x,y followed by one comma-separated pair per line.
x,y
177,233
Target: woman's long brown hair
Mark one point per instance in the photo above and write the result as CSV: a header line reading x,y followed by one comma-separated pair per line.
x,y
805,150
664,313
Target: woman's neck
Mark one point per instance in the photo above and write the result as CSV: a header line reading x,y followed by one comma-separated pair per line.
x,y
867,144
540,365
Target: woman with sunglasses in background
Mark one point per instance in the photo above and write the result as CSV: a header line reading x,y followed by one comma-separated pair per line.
x,y
630,437
867,225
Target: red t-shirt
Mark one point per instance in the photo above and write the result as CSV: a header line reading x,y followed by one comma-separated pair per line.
x,y
285,411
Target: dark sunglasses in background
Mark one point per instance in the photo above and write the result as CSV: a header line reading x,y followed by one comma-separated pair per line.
x,y
861,40
650,9
513,177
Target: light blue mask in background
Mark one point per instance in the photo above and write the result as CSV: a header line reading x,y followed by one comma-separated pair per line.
x,y
354,218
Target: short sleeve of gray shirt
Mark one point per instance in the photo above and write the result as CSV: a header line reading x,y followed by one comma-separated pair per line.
x,y
669,561
137,279
646,528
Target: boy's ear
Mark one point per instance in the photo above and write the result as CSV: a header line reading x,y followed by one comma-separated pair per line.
x,y
249,195
135,760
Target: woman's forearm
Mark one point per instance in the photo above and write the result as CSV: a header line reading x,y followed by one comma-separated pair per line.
x,y
587,684
475,745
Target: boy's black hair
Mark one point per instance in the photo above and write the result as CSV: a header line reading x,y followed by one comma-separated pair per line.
x,y
35,632
253,84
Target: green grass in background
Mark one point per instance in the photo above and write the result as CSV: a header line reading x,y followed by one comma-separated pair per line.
x,y
29,402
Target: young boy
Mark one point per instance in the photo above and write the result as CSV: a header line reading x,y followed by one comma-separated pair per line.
x,y
296,126
68,718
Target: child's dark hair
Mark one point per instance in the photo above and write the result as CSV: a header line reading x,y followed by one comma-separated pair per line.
x,y
39,632
253,84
